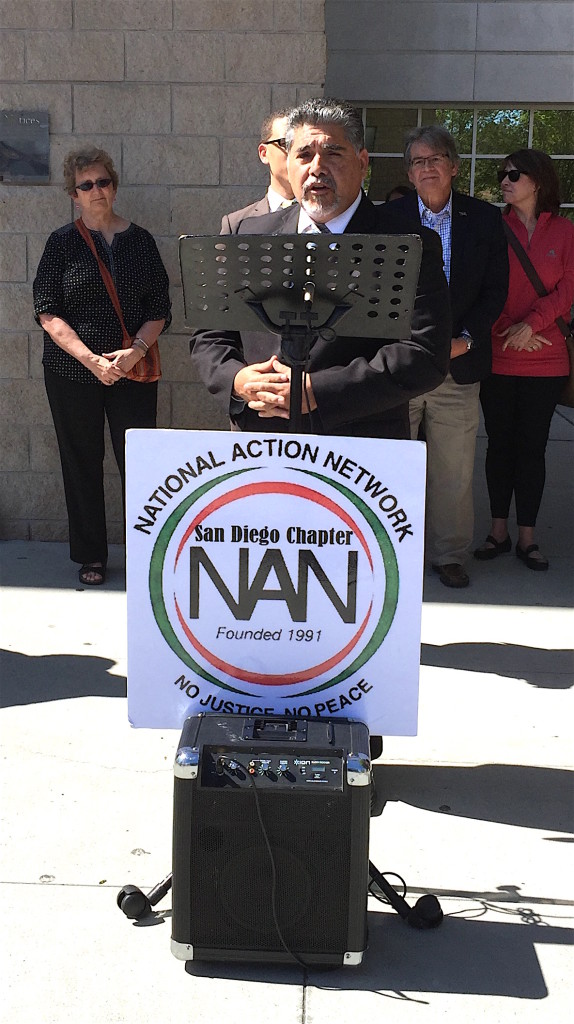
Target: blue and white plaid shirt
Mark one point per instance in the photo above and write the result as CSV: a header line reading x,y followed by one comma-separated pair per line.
x,y
440,222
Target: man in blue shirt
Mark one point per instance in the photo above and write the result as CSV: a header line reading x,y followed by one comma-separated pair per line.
x,y
475,262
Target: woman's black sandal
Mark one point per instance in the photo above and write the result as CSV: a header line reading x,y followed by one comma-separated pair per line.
x,y
538,564
93,570
499,547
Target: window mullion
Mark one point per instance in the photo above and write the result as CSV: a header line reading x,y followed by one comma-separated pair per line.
x,y
473,149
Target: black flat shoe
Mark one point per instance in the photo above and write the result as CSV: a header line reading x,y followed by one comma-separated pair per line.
x,y
538,564
499,547
90,569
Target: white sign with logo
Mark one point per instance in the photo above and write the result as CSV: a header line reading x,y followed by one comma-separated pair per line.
x,y
274,574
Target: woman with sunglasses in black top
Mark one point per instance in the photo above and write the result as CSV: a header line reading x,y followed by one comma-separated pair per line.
x,y
529,354
85,361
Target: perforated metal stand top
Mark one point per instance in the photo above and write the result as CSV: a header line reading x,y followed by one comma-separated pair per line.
x,y
362,285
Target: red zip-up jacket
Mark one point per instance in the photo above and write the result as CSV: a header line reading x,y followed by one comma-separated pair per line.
x,y
551,250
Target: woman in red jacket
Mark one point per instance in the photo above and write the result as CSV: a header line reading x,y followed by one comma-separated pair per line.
x,y
529,354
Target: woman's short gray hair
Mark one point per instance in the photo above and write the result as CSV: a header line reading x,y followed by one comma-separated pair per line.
x,y
435,137
324,112
87,156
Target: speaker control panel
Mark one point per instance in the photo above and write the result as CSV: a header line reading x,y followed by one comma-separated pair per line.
x,y
271,770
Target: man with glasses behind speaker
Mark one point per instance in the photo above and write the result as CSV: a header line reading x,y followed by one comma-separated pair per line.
x,y
272,152
476,266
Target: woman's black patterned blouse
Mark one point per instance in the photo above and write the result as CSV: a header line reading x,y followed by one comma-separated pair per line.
x,y
69,285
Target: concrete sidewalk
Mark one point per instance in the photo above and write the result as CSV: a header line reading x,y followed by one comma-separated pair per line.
x,y
477,810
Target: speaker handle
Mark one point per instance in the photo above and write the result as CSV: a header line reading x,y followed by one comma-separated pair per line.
x,y
276,729
427,911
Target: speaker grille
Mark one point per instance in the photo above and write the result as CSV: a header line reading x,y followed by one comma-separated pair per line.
x,y
231,876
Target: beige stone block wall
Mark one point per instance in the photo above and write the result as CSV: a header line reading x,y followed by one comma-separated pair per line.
x,y
49,53
175,91
14,358
13,257
35,14
193,160
56,99
11,56
129,14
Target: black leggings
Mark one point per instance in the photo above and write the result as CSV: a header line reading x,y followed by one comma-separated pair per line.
x,y
78,411
517,414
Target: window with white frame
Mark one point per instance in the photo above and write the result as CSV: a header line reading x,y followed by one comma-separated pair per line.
x,y
484,136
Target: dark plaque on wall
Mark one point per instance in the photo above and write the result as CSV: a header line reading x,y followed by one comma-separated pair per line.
x,y
24,146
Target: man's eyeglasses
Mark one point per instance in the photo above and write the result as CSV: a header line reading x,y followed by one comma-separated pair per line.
x,y
87,186
512,175
282,143
427,161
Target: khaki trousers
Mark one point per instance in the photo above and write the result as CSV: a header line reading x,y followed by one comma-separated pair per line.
x,y
450,417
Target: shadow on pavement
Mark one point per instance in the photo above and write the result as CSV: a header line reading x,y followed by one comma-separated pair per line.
x,y
510,585
47,565
549,669
464,956
528,796
31,680
470,957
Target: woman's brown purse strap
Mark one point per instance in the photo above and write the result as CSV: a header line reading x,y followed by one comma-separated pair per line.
x,y
148,369
529,270
107,279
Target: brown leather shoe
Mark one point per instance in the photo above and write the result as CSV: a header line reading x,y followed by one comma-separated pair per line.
x,y
452,575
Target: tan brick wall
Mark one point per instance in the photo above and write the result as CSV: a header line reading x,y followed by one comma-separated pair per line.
x,y
175,91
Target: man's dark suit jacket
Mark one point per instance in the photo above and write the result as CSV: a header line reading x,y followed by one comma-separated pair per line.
x,y
362,385
478,277
230,221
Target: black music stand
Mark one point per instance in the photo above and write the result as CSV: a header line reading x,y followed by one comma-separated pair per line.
x,y
301,287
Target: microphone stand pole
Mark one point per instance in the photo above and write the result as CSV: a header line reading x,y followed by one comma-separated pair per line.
x,y
296,342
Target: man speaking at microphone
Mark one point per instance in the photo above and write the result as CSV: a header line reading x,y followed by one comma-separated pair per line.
x,y
358,387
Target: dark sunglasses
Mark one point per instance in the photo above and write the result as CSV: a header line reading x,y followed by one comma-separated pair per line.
x,y
512,175
282,143
87,186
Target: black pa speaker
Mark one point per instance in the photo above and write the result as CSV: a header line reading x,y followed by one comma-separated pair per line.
x,y
271,840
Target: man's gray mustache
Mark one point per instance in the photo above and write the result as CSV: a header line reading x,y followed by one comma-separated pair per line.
x,y
319,181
